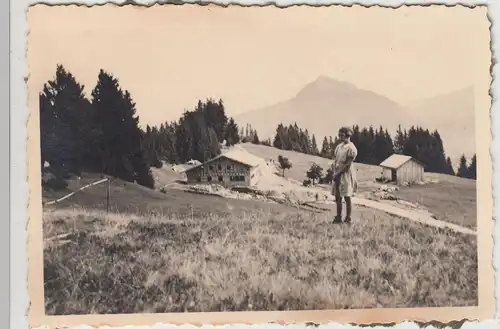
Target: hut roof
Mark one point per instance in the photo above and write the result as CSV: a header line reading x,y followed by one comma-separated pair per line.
x,y
397,160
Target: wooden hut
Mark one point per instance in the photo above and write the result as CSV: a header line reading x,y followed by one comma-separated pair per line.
x,y
232,168
402,169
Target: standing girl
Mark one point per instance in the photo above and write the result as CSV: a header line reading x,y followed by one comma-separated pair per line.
x,y
344,174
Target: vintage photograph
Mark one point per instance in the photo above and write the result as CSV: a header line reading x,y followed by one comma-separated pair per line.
x,y
192,159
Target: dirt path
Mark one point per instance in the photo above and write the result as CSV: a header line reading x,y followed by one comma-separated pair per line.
x,y
412,215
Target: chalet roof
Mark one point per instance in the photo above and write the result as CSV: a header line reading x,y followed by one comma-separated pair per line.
x,y
237,155
397,160
242,156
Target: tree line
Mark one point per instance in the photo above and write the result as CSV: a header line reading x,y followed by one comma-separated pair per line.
x,y
197,135
293,138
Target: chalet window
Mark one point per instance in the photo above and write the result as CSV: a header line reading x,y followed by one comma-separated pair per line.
x,y
237,178
221,178
209,178
228,167
210,167
219,167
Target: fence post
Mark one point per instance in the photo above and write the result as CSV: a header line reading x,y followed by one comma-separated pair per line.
x,y
108,187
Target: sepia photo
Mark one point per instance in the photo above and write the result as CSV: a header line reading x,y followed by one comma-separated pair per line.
x,y
205,164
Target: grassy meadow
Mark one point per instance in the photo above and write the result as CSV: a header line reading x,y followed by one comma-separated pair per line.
x,y
182,252
250,260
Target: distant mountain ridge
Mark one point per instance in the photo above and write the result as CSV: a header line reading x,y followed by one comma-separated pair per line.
x,y
325,104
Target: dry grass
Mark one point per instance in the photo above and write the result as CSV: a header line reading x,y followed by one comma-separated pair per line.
x,y
251,260
450,201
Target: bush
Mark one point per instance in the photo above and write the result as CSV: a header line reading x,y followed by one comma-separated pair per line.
x,y
54,183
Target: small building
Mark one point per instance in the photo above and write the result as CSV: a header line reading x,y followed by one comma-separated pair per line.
x,y
235,167
402,169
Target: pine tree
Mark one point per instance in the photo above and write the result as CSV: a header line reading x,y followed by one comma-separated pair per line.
x,y
462,169
278,141
332,145
471,170
382,147
255,138
120,145
242,133
449,167
64,131
326,152
213,145
314,146
399,141
231,135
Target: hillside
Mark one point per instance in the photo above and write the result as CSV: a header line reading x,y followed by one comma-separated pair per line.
x,y
302,162
132,198
325,104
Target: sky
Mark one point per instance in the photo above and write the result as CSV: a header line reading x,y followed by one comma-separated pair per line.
x,y
168,57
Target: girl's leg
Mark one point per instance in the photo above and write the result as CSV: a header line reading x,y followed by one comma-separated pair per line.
x,y
348,206
338,202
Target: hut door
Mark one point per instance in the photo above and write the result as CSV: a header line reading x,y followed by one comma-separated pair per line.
x,y
393,175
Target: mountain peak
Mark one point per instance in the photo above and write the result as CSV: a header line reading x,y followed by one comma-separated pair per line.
x,y
324,84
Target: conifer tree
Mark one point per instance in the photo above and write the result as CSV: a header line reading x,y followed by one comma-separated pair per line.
x,y
326,152
463,170
255,138
399,141
278,141
325,149
231,135
314,146
449,167
471,170
120,146
64,132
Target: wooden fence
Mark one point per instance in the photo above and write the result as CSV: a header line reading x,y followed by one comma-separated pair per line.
x,y
104,180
